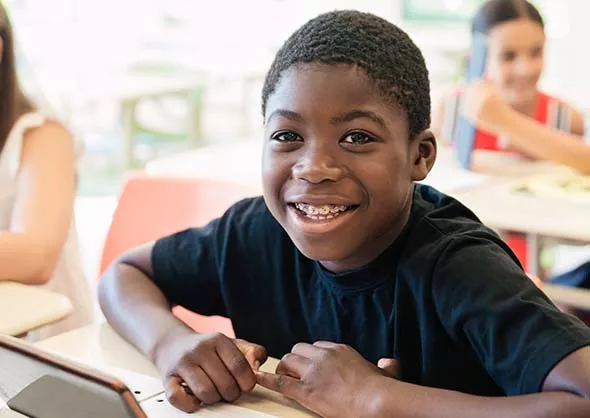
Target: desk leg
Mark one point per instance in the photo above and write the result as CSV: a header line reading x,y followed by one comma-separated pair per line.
x,y
533,243
195,131
128,121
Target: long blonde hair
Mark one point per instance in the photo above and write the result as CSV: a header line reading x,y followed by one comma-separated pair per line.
x,y
13,101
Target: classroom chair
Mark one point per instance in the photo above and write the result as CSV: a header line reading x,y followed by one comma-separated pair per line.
x,y
150,207
518,244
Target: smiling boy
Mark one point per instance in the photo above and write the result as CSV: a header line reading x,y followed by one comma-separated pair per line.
x,y
346,261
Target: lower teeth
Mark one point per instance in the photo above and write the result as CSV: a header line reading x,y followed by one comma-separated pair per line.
x,y
320,217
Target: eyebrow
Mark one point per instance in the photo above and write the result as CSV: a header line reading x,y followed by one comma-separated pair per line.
x,y
337,120
358,114
287,114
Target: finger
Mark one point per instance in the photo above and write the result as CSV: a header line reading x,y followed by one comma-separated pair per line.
x,y
293,365
222,378
390,366
288,386
254,353
236,364
325,344
200,385
307,350
178,397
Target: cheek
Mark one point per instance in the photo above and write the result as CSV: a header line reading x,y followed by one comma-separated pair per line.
x,y
539,64
499,72
391,187
492,72
275,173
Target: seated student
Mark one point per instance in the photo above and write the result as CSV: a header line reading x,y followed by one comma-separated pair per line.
x,y
515,38
514,31
37,187
346,262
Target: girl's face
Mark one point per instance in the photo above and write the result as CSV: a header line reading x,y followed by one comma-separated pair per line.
x,y
516,58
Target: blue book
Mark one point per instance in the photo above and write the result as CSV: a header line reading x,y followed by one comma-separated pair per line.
x,y
464,137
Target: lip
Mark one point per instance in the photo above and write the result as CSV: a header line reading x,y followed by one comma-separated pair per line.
x,y
310,226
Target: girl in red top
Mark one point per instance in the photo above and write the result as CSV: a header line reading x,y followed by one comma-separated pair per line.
x,y
515,58
515,39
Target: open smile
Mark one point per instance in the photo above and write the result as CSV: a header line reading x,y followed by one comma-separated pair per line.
x,y
319,219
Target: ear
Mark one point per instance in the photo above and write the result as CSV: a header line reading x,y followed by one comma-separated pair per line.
x,y
423,155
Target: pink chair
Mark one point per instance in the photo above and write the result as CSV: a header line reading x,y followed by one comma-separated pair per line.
x,y
151,207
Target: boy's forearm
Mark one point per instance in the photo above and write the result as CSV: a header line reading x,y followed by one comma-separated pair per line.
x,y
137,309
398,399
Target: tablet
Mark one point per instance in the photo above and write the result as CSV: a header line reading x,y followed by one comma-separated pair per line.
x,y
37,384
464,137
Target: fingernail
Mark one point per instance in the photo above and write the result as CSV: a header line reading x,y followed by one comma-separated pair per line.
x,y
256,365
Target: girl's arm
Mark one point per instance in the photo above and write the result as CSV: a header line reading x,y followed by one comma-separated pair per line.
x,y
44,205
482,104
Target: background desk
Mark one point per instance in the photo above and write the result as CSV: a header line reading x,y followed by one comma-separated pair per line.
x,y
100,347
24,308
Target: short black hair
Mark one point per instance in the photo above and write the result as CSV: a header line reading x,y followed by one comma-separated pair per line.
x,y
385,52
496,12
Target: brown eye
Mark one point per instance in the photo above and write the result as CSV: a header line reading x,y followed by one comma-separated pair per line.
x,y
508,56
357,138
286,136
537,52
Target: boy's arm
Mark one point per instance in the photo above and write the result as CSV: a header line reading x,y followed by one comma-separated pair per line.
x,y
486,304
134,306
333,380
212,366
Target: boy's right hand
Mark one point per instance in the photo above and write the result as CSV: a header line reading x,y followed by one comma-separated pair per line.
x,y
207,368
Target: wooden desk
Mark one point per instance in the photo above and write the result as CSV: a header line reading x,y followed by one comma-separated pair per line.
x,y
100,347
500,206
237,161
570,297
24,308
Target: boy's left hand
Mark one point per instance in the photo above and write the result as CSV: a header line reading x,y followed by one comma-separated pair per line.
x,y
332,380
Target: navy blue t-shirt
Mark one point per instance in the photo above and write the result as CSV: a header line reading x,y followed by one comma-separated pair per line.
x,y
448,298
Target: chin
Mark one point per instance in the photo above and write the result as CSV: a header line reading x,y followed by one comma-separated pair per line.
x,y
523,96
320,251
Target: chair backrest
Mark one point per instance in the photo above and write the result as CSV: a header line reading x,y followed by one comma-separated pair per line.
x,y
150,207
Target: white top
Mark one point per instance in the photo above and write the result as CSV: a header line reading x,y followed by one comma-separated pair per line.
x,y
68,278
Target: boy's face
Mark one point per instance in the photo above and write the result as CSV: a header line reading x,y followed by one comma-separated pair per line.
x,y
338,165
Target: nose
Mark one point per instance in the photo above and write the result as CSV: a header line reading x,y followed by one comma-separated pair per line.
x,y
318,164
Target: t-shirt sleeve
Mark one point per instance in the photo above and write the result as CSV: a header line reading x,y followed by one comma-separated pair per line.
x,y
191,266
489,306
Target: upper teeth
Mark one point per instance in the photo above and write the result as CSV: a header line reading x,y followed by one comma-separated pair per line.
x,y
320,210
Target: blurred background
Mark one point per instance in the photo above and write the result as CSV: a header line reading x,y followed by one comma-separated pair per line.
x,y
139,81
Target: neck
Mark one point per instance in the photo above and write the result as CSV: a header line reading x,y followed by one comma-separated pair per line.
x,y
379,244
526,107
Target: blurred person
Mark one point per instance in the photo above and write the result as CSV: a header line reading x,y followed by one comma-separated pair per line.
x,y
515,44
38,244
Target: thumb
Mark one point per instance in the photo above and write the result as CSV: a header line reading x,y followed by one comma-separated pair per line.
x,y
389,366
254,353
